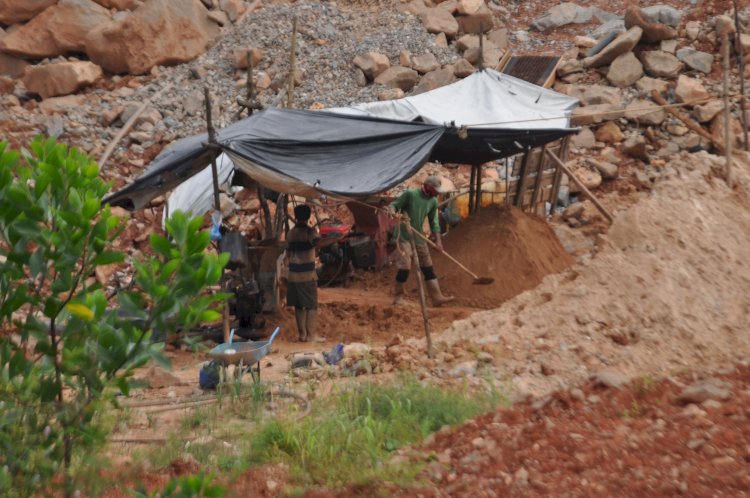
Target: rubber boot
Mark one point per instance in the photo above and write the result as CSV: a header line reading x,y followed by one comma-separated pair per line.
x,y
398,294
312,321
438,299
300,315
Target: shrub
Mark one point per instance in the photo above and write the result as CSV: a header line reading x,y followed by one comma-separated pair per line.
x,y
64,351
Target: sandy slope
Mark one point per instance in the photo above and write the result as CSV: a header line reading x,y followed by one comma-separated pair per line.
x,y
668,290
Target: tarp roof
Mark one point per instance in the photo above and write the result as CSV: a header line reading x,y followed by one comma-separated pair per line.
x,y
484,99
370,148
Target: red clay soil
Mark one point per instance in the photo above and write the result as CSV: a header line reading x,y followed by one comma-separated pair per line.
x,y
517,249
640,440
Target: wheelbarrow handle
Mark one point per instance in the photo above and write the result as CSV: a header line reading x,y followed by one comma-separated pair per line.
x,y
273,336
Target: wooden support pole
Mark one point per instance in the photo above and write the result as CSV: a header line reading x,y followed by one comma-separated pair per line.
x,y
217,201
728,139
212,141
292,68
420,287
556,180
656,97
478,189
471,189
480,64
508,172
580,184
741,69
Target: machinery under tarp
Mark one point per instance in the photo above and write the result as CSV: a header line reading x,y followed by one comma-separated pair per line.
x,y
368,149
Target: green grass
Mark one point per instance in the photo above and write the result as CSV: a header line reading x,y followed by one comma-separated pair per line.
x,y
350,437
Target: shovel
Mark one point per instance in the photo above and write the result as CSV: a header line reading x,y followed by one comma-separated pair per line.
x,y
477,279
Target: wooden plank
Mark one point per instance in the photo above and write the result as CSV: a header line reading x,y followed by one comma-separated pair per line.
x,y
583,187
552,76
523,179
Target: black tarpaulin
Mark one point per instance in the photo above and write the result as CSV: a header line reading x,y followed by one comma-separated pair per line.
x,y
313,152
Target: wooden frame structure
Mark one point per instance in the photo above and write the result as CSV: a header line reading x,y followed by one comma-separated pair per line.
x,y
531,180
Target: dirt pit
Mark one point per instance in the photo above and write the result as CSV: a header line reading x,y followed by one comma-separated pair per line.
x,y
516,249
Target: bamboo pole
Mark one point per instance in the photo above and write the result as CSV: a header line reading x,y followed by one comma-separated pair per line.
x,y
420,287
728,139
580,184
292,68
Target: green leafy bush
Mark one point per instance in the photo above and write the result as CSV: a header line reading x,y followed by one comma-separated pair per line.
x,y
64,350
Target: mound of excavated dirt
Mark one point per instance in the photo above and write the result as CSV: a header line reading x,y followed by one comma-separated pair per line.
x,y
666,291
515,248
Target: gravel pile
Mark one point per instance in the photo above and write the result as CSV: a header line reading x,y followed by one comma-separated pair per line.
x,y
328,40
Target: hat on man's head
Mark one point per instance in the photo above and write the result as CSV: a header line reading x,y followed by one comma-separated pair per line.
x,y
434,181
431,186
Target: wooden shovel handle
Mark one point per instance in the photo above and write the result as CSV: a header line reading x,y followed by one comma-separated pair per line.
x,y
413,230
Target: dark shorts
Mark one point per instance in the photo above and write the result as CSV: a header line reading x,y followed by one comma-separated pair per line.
x,y
302,294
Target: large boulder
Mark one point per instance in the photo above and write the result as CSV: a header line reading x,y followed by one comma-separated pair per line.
x,y
425,63
469,7
59,30
372,64
591,114
661,64
233,8
690,90
625,70
118,4
62,78
645,112
13,11
12,67
600,94
398,77
483,20
664,14
708,111
646,85
695,59
652,31
562,14
622,44
609,133
435,79
499,37
463,68
154,34
438,20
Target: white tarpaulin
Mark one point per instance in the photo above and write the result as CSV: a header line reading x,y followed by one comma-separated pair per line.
x,y
196,195
486,99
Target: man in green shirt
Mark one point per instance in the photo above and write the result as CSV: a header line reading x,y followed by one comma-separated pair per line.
x,y
418,204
